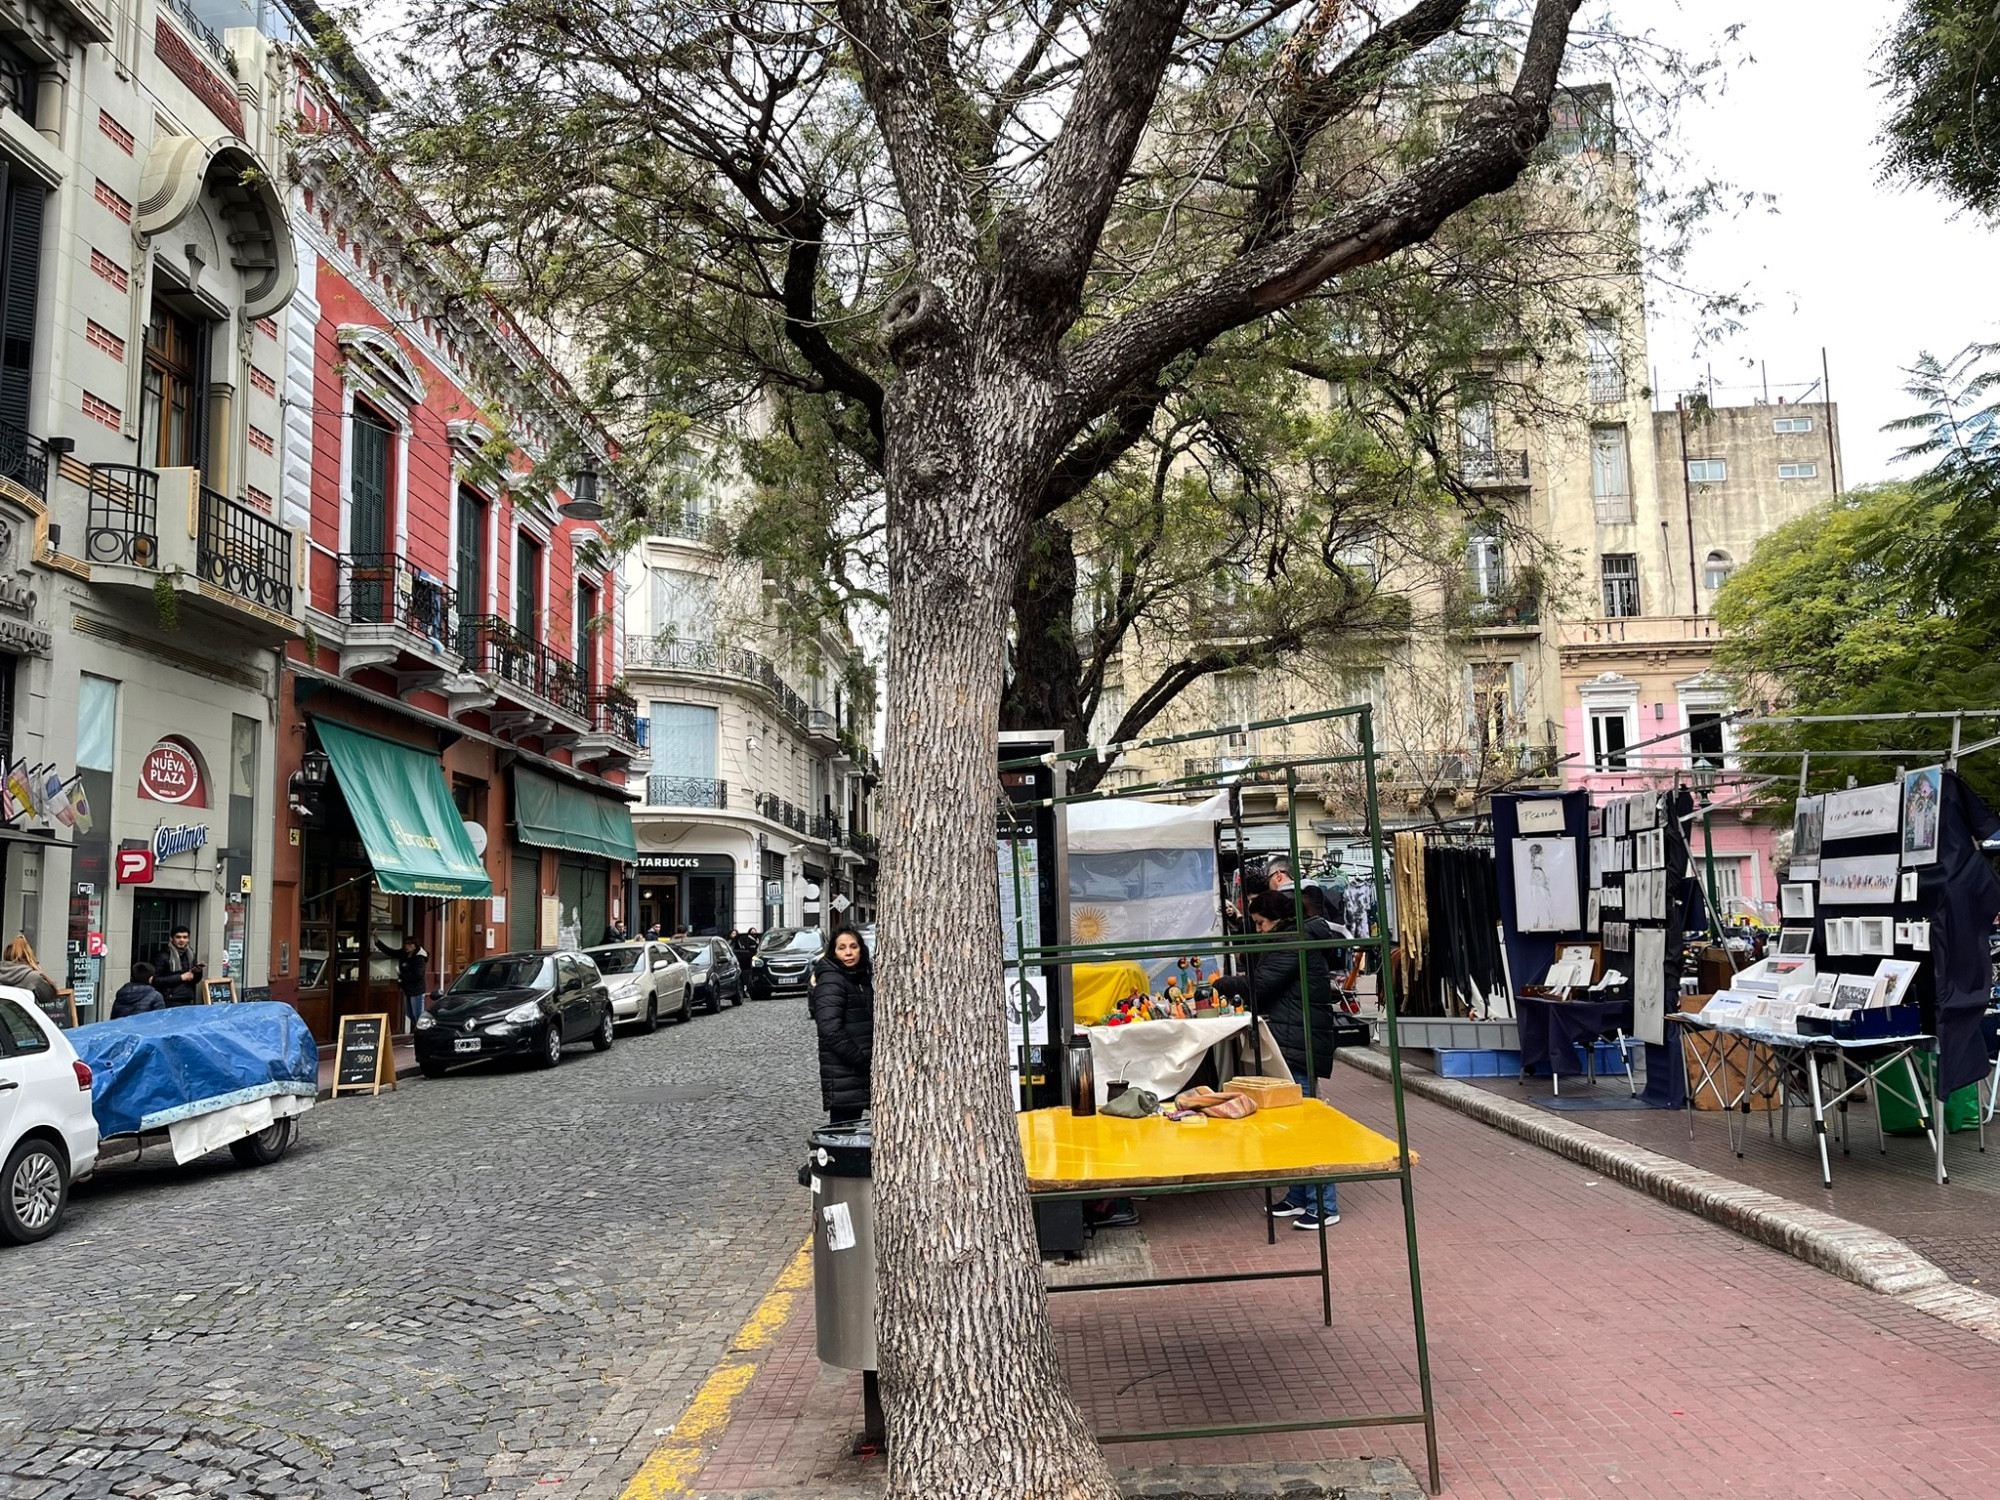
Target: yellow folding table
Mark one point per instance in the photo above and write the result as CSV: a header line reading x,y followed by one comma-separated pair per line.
x,y
1102,1156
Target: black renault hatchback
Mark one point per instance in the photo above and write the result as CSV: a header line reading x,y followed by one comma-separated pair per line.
x,y
516,1004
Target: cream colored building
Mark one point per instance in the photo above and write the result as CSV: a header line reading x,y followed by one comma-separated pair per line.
x,y
758,805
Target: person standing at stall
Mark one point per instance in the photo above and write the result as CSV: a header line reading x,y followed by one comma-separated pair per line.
x,y
1272,986
843,1009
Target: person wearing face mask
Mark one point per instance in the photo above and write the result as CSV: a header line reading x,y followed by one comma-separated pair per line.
x,y
843,1009
1272,986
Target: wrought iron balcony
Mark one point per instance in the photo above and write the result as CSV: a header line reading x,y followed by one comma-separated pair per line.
x,y
1607,383
494,648
710,659
617,714
380,588
124,518
686,791
243,553
24,458
778,810
864,844
825,829
1493,468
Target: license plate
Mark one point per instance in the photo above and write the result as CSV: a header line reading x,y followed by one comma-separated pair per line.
x,y
466,1044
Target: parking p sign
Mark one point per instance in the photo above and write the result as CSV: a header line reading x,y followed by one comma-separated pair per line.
x,y
135,866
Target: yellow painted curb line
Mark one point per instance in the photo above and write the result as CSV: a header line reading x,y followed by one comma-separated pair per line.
x,y
675,1464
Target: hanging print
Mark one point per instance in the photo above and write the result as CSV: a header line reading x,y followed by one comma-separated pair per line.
x,y
1923,791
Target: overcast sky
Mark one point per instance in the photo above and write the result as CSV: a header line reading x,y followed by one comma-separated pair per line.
x,y
1873,274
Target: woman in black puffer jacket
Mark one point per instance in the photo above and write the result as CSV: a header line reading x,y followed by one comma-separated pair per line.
x,y
843,1008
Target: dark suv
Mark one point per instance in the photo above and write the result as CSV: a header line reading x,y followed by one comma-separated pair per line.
x,y
784,961
516,1004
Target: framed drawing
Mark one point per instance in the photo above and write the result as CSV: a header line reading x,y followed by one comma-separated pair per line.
x,y
1545,894
1910,884
1874,937
1823,989
1899,972
1836,937
1795,899
1593,911
1649,985
1795,942
1853,991
1645,810
1861,810
1858,880
1596,824
1923,792
1539,815
1807,820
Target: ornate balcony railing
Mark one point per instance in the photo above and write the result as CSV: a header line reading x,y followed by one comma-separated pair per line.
x,y
865,844
124,518
493,647
711,659
825,829
1607,383
379,588
686,791
24,458
617,714
821,722
199,30
778,810
243,553
1493,468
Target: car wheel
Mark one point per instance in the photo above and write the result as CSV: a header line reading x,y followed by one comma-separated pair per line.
x,y
605,1034
265,1147
686,1013
434,1069
653,1012
33,1189
551,1052
739,989
714,998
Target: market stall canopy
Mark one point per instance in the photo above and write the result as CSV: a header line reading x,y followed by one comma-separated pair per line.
x,y
407,820
552,815
1114,827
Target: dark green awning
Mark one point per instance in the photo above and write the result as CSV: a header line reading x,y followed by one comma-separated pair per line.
x,y
414,836
554,815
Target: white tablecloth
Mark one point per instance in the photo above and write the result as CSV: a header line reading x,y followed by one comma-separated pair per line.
x,y
1159,1056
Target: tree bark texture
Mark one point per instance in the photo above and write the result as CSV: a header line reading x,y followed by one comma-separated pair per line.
x,y
976,1399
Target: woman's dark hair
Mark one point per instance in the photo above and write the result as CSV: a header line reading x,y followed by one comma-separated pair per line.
x,y
867,960
1272,906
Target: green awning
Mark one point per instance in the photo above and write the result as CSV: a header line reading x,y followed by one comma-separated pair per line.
x,y
552,814
402,807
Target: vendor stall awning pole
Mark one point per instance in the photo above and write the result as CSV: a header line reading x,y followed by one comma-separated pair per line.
x,y
1387,980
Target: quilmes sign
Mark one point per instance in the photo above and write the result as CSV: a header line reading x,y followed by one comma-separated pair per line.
x,y
170,839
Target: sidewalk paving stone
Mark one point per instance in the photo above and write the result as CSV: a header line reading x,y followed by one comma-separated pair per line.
x,y
1586,1341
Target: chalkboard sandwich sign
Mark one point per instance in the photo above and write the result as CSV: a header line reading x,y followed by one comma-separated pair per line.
x,y
365,1058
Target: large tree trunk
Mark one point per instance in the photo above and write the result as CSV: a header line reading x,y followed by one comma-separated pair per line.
x,y
1044,690
977,1404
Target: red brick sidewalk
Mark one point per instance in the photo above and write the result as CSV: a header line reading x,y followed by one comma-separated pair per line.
x,y
1585,1341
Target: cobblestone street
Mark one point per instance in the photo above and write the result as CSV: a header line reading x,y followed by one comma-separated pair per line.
x,y
497,1283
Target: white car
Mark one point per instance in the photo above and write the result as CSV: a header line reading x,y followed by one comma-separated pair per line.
x,y
647,981
48,1136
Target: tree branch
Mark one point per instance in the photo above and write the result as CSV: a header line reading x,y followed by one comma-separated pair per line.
x,y
1051,251
1320,99
1496,136
808,335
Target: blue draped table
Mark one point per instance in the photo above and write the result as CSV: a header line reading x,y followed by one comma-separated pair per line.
x,y
1551,1030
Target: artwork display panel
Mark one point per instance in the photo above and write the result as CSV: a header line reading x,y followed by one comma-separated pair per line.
x,y
1808,820
1858,880
1545,895
1923,794
1862,811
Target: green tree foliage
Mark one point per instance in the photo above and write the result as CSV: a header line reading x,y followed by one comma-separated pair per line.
x,y
1886,600
1941,66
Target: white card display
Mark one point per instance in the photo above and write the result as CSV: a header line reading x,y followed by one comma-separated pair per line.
x,y
1649,985
1861,811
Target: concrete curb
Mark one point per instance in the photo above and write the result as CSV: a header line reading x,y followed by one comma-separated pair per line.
x,y
1854,1252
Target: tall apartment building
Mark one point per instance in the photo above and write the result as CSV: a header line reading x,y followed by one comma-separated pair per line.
x,y
758,811
240,438
1577,622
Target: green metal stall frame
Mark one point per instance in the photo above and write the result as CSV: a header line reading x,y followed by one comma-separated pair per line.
x,y
1267,772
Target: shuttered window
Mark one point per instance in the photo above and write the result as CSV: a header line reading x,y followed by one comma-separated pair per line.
x,y
470,569
368,517
20,272
684,740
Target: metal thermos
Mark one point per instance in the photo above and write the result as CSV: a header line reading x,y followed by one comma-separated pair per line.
x,y
1082,1077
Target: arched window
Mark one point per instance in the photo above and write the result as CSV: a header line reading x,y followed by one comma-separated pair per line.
x,y
1715,573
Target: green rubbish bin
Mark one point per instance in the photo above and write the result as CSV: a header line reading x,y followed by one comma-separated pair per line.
x,y
1899,1115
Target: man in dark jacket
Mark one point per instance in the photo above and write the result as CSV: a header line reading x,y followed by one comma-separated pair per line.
x,y
842,1001
177,971
138,996
411,964
1273,988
